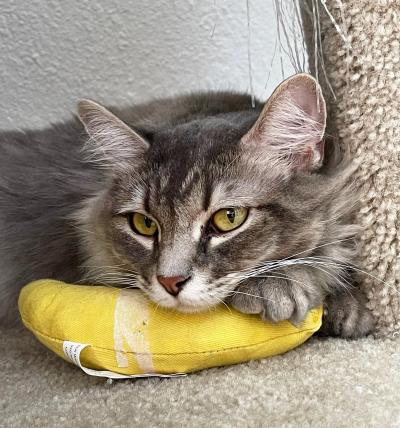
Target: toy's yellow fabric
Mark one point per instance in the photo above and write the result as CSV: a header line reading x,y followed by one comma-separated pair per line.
x,y
128,334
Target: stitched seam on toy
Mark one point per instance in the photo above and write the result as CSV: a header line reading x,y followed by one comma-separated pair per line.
x,y
179,353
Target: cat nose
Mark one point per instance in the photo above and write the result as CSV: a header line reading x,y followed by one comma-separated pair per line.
x,y
173,284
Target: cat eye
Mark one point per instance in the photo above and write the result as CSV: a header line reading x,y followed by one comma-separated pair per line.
x,y
229,218
142,224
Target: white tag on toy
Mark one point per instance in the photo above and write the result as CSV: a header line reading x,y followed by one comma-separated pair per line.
x,y
72,351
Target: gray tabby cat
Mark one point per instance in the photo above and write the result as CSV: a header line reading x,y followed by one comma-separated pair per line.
x,y
196,199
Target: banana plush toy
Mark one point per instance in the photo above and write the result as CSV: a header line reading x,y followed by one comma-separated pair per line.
x,y
113,332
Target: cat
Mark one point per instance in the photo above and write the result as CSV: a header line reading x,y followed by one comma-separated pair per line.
x,y
196,199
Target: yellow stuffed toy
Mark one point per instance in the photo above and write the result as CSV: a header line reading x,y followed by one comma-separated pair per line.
x,y
109,331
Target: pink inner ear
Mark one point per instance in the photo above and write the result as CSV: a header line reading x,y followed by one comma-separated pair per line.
x,y
292,124
309,100
306,97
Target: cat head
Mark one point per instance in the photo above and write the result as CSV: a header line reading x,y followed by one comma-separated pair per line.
x,y
191,208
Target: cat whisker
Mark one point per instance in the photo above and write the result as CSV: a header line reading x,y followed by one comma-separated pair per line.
x,y
118,268
274,266
352,267
131,287
111,277
283,276
117,276
270,267
117,279
82,229
279,262
221,301
251,295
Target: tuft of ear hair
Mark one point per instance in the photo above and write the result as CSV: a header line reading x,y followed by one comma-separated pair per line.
x,y
112,143
291,126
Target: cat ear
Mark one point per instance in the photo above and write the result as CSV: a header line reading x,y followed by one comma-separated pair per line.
x,y
291,125
112,142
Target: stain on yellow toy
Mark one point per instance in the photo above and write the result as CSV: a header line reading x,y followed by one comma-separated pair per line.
x,y
128,334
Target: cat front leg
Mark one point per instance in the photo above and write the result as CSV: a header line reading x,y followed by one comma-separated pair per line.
x,y
347,315
277,298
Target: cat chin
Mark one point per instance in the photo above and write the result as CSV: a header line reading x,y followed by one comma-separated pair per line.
x,y
185,307
190,309
180,304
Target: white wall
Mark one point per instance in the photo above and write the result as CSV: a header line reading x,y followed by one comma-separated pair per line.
x,y
55,52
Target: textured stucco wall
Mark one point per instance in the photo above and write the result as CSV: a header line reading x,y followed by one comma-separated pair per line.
x,y
55,52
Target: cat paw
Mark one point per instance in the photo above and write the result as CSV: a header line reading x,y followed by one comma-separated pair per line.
x,y
347,316
273,299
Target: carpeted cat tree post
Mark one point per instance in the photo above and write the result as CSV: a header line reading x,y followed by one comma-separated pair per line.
x,y
354,45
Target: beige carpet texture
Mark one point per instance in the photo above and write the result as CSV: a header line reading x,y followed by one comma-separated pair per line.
x,y
324,383
358,54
